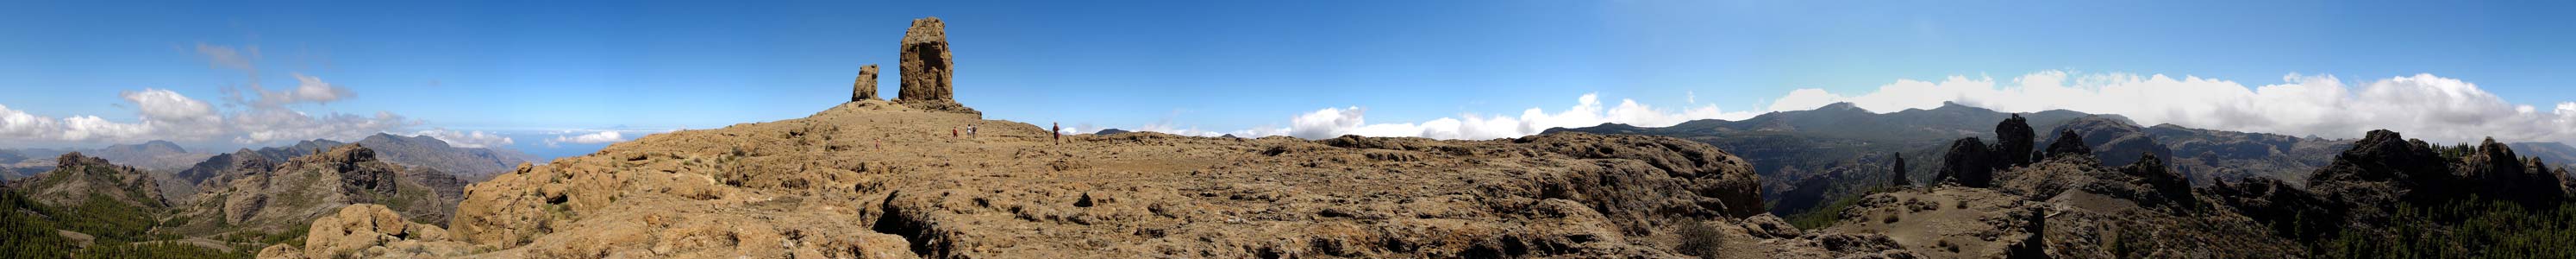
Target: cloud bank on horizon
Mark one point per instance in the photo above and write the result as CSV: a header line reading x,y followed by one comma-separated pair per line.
x,y
601,137
2422,106
249,116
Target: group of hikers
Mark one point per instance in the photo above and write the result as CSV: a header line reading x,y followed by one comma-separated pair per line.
x,y
1057,129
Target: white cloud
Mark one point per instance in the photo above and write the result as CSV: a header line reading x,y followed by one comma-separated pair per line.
x,y
1587,111
602,137
2422,106
308,89
168,115
467,139
267,125
92,127
15,123
164,105
313,89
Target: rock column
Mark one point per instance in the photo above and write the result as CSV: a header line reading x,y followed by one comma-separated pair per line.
x,y
926,67
866,87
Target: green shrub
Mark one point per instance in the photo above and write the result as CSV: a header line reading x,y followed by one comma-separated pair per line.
x,y
1700,239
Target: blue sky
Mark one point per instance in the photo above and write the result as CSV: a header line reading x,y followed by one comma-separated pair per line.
x,y
538,71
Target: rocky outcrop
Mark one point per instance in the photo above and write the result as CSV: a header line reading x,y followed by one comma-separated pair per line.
x,y
866,86
2035,244
2498,173
2117,142
1967,163
2153,172
302,188
927,68
2014,140
1709,179
2069,206
235,163
77,179
2068,143
2365,186
2384,168
370,231
2287,210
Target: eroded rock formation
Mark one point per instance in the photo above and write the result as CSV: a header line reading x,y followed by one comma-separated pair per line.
x,y
865,88
2014,139
309,186
1968,163
927,69
2500,174
2068,143
78,178
370,231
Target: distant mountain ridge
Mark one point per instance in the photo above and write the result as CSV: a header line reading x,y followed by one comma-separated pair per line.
x,y
467,164
1798,152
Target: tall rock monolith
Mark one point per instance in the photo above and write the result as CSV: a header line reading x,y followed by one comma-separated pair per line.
x,y
927,70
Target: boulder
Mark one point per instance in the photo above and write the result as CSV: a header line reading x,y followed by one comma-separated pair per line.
x,y
2015,140
1968,163
866,86
927,70
365,231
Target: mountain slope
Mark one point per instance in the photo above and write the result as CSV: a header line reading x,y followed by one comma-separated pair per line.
x,y
79,179
1796,152
469,164
87,207
302,188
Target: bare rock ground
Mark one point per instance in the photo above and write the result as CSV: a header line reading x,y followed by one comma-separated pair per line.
x,y
875,179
